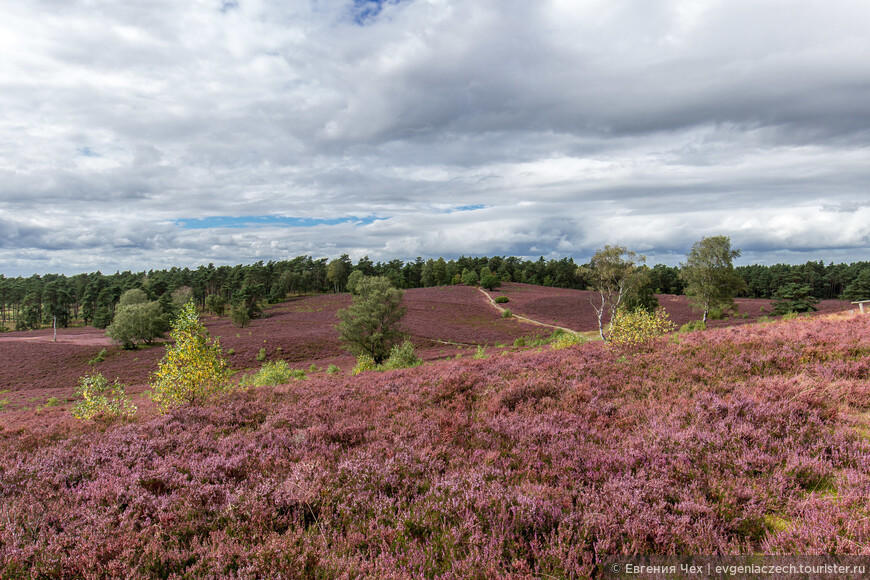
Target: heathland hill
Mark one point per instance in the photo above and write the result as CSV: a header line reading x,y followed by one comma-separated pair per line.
x,y
534,463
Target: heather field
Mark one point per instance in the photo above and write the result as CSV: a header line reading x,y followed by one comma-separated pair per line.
x,y
442,322
571,308
751,439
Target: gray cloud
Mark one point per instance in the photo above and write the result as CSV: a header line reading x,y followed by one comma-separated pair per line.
x,y
575,123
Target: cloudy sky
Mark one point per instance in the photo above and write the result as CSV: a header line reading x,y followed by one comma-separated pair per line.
x,y
137,135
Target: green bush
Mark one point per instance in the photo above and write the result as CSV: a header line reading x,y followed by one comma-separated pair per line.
x,y
502,300
261,356
402,356
566,339
364,362
481,353
101,356
332,370
506,313
520,341
693,326
716,314
101,398
137,322
271,373
240,316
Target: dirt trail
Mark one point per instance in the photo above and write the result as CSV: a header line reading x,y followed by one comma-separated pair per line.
x,y
523,318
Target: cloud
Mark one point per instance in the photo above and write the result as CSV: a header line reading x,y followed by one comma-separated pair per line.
x,y
560,126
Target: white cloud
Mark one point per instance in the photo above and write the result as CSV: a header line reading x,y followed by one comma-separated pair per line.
x,y
575,123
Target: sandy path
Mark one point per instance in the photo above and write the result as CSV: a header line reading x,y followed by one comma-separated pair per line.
x,y
523,318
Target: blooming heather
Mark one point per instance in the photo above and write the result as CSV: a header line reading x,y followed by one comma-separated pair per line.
x,y
536,464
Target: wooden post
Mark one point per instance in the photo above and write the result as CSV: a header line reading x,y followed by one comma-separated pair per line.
x,y
54,324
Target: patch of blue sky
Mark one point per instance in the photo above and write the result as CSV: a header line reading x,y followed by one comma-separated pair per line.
x,y
259,221
466,208
87,152
364,11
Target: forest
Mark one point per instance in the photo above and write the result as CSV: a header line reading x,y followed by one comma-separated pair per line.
x,y
35,301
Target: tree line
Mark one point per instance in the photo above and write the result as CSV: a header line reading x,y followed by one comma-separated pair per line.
x,y
31,302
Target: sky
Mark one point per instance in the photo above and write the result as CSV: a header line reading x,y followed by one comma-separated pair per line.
x,y
144,135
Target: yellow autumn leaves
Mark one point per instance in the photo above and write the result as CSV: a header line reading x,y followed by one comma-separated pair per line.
x,y
193,369
633,329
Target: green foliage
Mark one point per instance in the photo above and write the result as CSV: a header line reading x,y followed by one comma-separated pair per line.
x,y
693,326
506,313
193,368
137,322
131,297
261,356
490,281
364,362
353,280
101,398
614,273
101,356
216,304
370,326
794,297
859,288
402,356
53,402
566,339
470,277
716,314
520,341
103,317
642,298
332,370
271,373
709,275
502,300
637,328
240,316
481,353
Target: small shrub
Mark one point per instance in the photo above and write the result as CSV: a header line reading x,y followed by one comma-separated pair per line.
x,y
261,356
634,329
231,351
101,398
693,326
101,356
764,319
240,317
790,315
271,373
402,356
52,402
312,368
566,339
364,362
716,314
332,370
520,341
193,369
481,353
502,300
506,313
